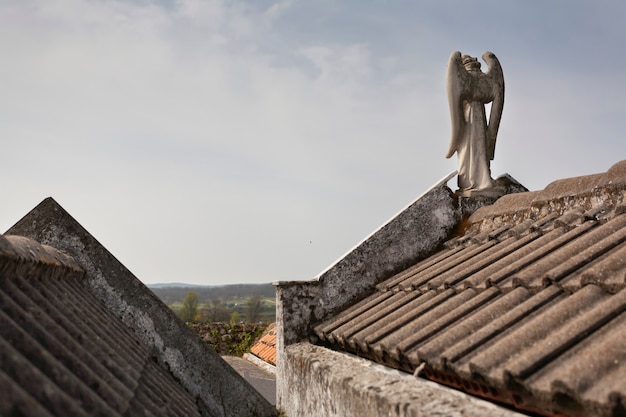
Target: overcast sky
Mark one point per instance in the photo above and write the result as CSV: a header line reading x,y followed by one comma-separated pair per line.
x,y
216,142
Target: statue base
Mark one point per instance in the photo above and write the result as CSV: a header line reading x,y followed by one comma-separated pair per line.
x,y
496,192
504,184
471,200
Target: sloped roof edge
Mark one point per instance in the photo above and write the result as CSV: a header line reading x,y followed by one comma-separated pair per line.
x,y
200,369
64,353
438,185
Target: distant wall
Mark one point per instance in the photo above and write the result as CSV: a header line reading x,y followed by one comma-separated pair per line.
x,y
323,383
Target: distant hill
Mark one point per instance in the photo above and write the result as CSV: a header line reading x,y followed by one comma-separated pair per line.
x,y
175,293
180,285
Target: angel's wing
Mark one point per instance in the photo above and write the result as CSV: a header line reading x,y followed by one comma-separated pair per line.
x,y
454,83
497,78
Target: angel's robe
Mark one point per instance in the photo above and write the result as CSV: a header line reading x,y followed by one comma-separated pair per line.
x,y
469,89
474,170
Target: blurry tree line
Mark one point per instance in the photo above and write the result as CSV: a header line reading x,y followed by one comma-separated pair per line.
x,y
228,294
254,309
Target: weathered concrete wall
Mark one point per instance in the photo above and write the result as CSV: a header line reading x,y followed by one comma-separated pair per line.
x,y
200,370
415,233
411,235
325,383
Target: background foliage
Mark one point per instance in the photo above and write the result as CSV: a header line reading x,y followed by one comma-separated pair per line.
x,y
233,304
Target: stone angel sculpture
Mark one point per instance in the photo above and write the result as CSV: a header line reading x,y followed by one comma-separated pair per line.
x,y
473,139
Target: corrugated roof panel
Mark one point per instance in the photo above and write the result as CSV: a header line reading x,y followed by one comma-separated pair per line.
x,y
582,258
525,256
492,361
16,401
459,356
388,345
419,267
28,351
63,352
459,339
34,383
591,371
87,325
575,253
386,307
113,334
58,342
481,261
447,321
572,332
399,318
86,320
453,261
405,309
532,275
334,329
530,304
607,271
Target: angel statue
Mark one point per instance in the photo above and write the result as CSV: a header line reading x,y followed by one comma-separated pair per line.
x,y
473,139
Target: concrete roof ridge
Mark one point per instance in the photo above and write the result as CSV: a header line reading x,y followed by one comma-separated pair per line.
x,y
22,254
616,174
579,190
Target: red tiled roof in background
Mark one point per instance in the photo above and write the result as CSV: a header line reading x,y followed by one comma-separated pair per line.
x,y
528,306
265,347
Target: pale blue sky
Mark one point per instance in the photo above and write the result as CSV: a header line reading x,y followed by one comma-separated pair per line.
x,y
215,142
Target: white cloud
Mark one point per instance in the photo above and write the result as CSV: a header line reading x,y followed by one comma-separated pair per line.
x,y
211,141
277,10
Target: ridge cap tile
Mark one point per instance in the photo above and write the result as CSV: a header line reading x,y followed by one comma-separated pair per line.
x,y
566,187
506,204
19,252
616,174
571,186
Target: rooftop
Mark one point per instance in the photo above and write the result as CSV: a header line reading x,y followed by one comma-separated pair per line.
x,y
64,352
265,347
526,305
80,335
